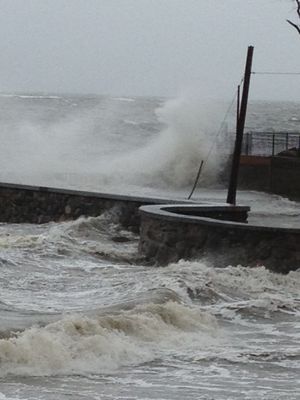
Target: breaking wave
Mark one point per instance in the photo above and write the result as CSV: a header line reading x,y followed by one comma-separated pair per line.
x,y
101,236
81,345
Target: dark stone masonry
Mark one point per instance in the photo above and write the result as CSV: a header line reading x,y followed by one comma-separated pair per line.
x,y
33,204
171,233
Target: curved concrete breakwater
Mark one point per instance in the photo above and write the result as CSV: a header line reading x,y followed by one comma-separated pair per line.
x,y
168,231
220,233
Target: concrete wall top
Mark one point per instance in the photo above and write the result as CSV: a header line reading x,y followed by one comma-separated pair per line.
x,y
181,213
109,196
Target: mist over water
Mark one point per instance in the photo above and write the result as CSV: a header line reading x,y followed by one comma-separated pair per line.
x,y
81,316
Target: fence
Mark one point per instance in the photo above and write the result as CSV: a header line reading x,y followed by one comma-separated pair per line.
x,y
269,143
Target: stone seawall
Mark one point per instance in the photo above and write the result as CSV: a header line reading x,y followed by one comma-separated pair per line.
x,y
169,234
31,204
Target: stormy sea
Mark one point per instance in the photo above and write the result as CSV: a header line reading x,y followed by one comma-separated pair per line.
x,y
82,316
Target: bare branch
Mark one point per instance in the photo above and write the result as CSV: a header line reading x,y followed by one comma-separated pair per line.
x,y
294,25
297,27
298,7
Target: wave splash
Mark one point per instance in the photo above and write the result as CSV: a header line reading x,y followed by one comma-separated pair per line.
x,y
172,158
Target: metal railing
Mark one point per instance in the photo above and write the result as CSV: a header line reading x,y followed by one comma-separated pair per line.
x,y
269,143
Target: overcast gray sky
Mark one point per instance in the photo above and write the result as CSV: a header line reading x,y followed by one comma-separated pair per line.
x,y
147,47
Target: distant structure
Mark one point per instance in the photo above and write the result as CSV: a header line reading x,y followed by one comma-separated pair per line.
x,y
270,162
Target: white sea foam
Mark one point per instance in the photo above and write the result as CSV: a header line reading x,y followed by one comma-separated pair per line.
x,y
235,289
91,235
248,280
82,345
4,397
30,96
129,99
96,235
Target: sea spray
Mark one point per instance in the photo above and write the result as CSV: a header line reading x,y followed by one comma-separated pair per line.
x,y
171,158
91,144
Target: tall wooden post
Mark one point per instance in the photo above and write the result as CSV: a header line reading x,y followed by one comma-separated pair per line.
x,y
238,103
231,195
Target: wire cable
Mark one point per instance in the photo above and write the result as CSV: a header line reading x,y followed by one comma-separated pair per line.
x,y
203,162
274,73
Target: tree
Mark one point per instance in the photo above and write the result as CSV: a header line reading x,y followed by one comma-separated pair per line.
x,y
296,26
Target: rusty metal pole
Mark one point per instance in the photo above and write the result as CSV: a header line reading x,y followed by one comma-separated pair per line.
x,y
231,195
